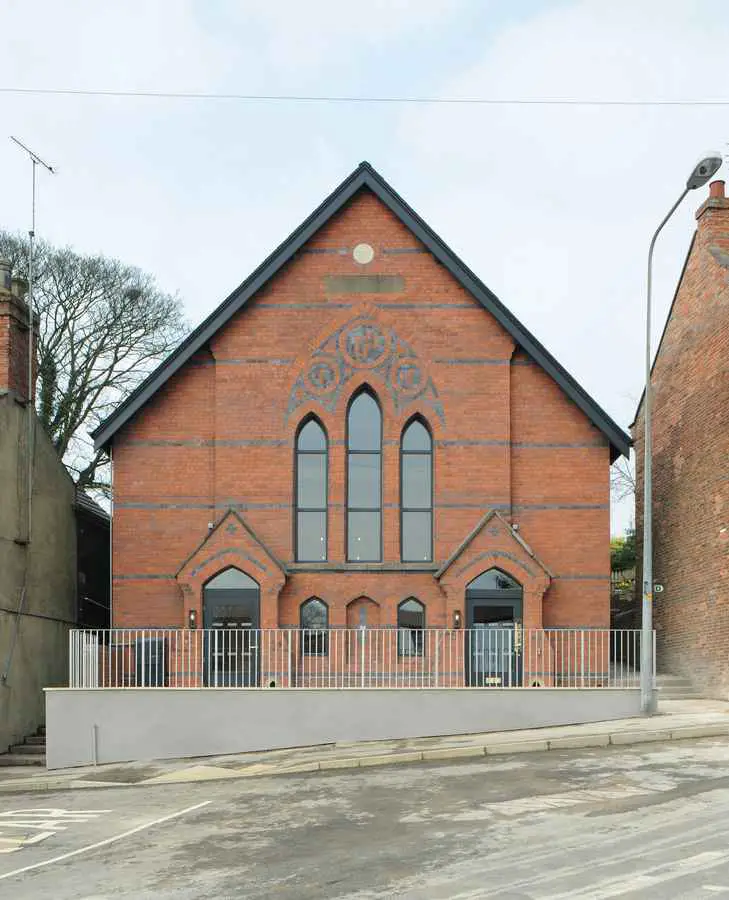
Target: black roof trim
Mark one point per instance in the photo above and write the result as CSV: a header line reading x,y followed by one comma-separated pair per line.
x,y
364,176
84,503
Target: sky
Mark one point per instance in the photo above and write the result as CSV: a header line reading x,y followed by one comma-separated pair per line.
x,y
552,206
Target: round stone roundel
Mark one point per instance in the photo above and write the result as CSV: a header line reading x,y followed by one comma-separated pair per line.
x,y
363,254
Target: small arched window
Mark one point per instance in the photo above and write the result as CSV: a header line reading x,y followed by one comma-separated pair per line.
x,y
314,627
410,627
364,479
416,493
311,493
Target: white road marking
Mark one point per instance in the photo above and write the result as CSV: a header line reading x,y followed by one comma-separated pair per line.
x,y
531,805
19,843
52,812
651,877
715,888
46,820
104,843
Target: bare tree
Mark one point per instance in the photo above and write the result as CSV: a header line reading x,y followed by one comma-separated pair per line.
x,y
103,325
622,478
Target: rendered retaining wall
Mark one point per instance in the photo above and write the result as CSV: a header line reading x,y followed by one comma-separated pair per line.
x,y
118,725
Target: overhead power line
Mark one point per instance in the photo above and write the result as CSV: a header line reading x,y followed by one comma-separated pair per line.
x,y
315,98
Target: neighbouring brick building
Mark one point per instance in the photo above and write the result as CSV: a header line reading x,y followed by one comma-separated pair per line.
x,y
691,462
361,434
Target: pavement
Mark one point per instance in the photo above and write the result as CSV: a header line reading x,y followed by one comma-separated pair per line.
x,y
642,822
676,720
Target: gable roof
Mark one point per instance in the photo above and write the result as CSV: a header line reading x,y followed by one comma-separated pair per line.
x,y
480,525
364,176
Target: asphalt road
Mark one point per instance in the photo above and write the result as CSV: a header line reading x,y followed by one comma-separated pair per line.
x,y
641,822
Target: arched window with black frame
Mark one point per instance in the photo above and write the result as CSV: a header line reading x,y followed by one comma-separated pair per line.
x,y
314,621
416,493
364,479
410,628
311,492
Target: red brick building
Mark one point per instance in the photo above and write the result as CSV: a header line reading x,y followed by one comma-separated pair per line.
x,y
691,462
361,424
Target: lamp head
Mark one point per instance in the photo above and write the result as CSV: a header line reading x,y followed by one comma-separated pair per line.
x,y
704,170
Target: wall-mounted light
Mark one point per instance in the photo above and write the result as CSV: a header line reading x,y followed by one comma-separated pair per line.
x,y
192,619
457,622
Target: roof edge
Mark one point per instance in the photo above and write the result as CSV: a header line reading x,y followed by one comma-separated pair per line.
x,y
199,336
364,176
665,324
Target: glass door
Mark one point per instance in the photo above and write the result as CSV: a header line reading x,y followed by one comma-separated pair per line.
x,y
232,654
231,604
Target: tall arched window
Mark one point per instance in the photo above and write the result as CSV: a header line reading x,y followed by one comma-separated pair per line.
x,y
314,627
364,480
311,493
416,493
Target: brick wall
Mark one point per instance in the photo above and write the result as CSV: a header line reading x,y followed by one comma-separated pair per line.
x,y
13,334
690,469
218,436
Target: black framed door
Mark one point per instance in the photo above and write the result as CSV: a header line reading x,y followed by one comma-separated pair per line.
x,y
232,638
494,638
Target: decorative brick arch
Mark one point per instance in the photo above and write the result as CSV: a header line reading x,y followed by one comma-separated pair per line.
x,y
363,348
495,547
232,543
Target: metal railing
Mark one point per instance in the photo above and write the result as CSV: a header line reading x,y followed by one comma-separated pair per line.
x,y
355,658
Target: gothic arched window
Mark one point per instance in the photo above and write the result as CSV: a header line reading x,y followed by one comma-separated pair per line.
x,y
314,627
364,479
416,493
311,493
410,627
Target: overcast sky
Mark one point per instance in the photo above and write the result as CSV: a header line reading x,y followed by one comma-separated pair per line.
x,y
553,207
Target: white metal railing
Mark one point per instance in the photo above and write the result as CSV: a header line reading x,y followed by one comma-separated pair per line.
x,y
491,656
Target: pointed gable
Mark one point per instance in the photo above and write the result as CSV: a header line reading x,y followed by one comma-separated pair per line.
x,y
364,178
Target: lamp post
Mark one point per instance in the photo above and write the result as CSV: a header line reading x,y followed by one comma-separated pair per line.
x,y
703,171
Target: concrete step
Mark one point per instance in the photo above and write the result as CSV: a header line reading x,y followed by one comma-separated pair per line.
x,y
679,692
36,739
677,687
27,749
669,695
22,759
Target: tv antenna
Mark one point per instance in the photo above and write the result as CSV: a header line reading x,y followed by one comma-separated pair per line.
x,y
35,161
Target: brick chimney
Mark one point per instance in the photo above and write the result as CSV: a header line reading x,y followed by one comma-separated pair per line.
x,y
712,241
715,206
14,333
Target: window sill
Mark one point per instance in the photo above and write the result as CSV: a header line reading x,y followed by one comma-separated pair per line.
x,y
362,567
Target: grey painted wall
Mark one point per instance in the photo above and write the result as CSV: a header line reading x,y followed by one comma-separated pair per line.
x,y
41,651
144,724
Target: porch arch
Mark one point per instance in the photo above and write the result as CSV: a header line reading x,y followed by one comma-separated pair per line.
x,y
231,597
494,596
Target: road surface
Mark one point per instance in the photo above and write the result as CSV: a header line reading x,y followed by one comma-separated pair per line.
x,y
640,822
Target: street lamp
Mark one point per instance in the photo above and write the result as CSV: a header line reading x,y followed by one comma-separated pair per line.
x,y
703,171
